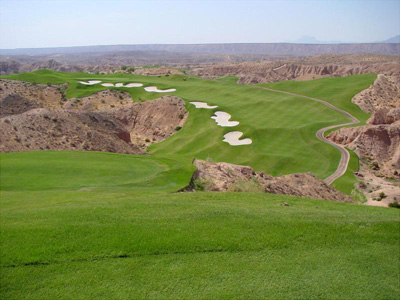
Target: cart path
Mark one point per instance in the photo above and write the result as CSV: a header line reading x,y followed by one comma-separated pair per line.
x,y
345,155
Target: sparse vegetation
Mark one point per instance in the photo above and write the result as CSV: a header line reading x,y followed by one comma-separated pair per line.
x,y
394,205
382,195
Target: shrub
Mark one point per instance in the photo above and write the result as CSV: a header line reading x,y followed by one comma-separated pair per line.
x,y
375,166
124,68
177,128
131,69
394,205
362,185
382,195
147,140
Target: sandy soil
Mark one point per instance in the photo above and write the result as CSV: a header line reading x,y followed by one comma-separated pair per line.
x,y
222,119
373,186
154,89
119,84
232,138
130,85
203,105
90,82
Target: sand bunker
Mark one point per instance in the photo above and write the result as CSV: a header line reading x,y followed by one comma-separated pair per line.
x,y
222,119
203,105
131,85
119,84
156,90
90,82
232,138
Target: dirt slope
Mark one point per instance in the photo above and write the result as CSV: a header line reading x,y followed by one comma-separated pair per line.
x,y
38,117
229,177
303,69
383,94
379,141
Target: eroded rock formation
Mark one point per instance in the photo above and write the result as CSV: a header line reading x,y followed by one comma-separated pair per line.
x,y
229,177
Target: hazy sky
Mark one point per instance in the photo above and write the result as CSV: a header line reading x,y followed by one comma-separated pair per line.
x,y
56,23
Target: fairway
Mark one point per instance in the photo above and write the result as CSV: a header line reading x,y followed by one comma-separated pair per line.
x,y
110,228
282,127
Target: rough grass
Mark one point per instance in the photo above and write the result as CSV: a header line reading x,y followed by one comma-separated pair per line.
x,y
85,225
282,127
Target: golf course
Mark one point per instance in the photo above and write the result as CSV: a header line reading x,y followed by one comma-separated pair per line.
x,y
99,225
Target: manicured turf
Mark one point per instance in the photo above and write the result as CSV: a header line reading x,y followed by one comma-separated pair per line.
x,y
338,91
282,127
346,182
83,225
90,225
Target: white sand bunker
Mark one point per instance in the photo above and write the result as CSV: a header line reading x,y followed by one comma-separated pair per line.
x,y
232,138
222,119
130,85
203,105
119,84
156,90
90,82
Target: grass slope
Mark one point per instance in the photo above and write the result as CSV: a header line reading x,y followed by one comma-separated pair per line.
x,y
282,127
339,92
83,225
346,182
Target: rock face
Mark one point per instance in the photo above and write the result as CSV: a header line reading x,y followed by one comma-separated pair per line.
x,y
383,94
39,117
42,129
40,95
156,71
229,177
307,69
379,141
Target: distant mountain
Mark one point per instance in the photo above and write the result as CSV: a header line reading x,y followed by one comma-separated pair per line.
x,y
393,40
234,48
305,39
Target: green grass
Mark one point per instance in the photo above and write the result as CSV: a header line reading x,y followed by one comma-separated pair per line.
x,y
63,170
231,79
282,127
338,91
92,225
87,225
346,182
